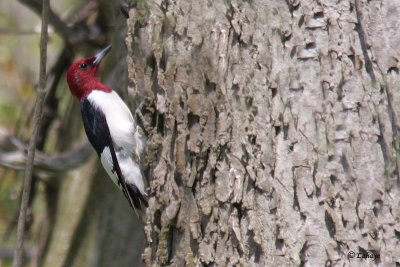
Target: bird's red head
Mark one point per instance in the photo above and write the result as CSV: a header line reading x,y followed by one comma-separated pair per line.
x,y
82,75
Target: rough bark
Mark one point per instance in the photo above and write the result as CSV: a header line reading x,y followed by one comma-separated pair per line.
x,y
275,130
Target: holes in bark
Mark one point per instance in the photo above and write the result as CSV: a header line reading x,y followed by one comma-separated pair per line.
x,y
163,61
285,36
239,210
158,121
274,91
252,139
361,223
296,204
221,155
277,130
351,8
310,45
393,70
339,91
382,90
293,5
330,225
193,119
397,234
235,38
205,219
210,86
301,21
377,207
151,62
124,10
333,179
319,15
254,111
293,51
353,60
178,178
318,192
345,164
249,101
273,210
340,128
157,218
163,6
235,87
279,244
285,132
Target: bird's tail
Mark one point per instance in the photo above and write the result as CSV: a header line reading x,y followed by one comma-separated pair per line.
x,y
139,199
135,188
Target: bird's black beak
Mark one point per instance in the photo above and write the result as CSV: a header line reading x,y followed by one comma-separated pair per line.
x,y
99,56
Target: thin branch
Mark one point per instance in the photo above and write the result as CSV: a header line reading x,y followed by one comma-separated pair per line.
x,y
41,93
45,164
51,104
77,33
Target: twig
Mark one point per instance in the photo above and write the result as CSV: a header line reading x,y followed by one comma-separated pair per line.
x,y
75,34
41,93
48,164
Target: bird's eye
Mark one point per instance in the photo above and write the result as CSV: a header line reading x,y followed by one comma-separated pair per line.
x,y
83,66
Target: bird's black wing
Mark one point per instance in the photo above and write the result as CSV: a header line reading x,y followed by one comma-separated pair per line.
x,y
98,133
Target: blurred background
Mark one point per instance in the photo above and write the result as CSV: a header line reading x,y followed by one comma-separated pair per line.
x,y
76,215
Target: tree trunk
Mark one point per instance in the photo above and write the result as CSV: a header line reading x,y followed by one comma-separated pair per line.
x,y
275,130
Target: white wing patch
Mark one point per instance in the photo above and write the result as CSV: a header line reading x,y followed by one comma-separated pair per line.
x,y
126,138
119,117
106,161
132,172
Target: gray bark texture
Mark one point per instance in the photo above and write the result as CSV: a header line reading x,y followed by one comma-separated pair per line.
x,y
274,138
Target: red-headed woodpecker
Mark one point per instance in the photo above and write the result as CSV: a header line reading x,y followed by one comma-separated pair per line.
x,y
110,128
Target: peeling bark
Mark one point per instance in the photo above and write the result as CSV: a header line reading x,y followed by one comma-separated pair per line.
x,y
275,130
